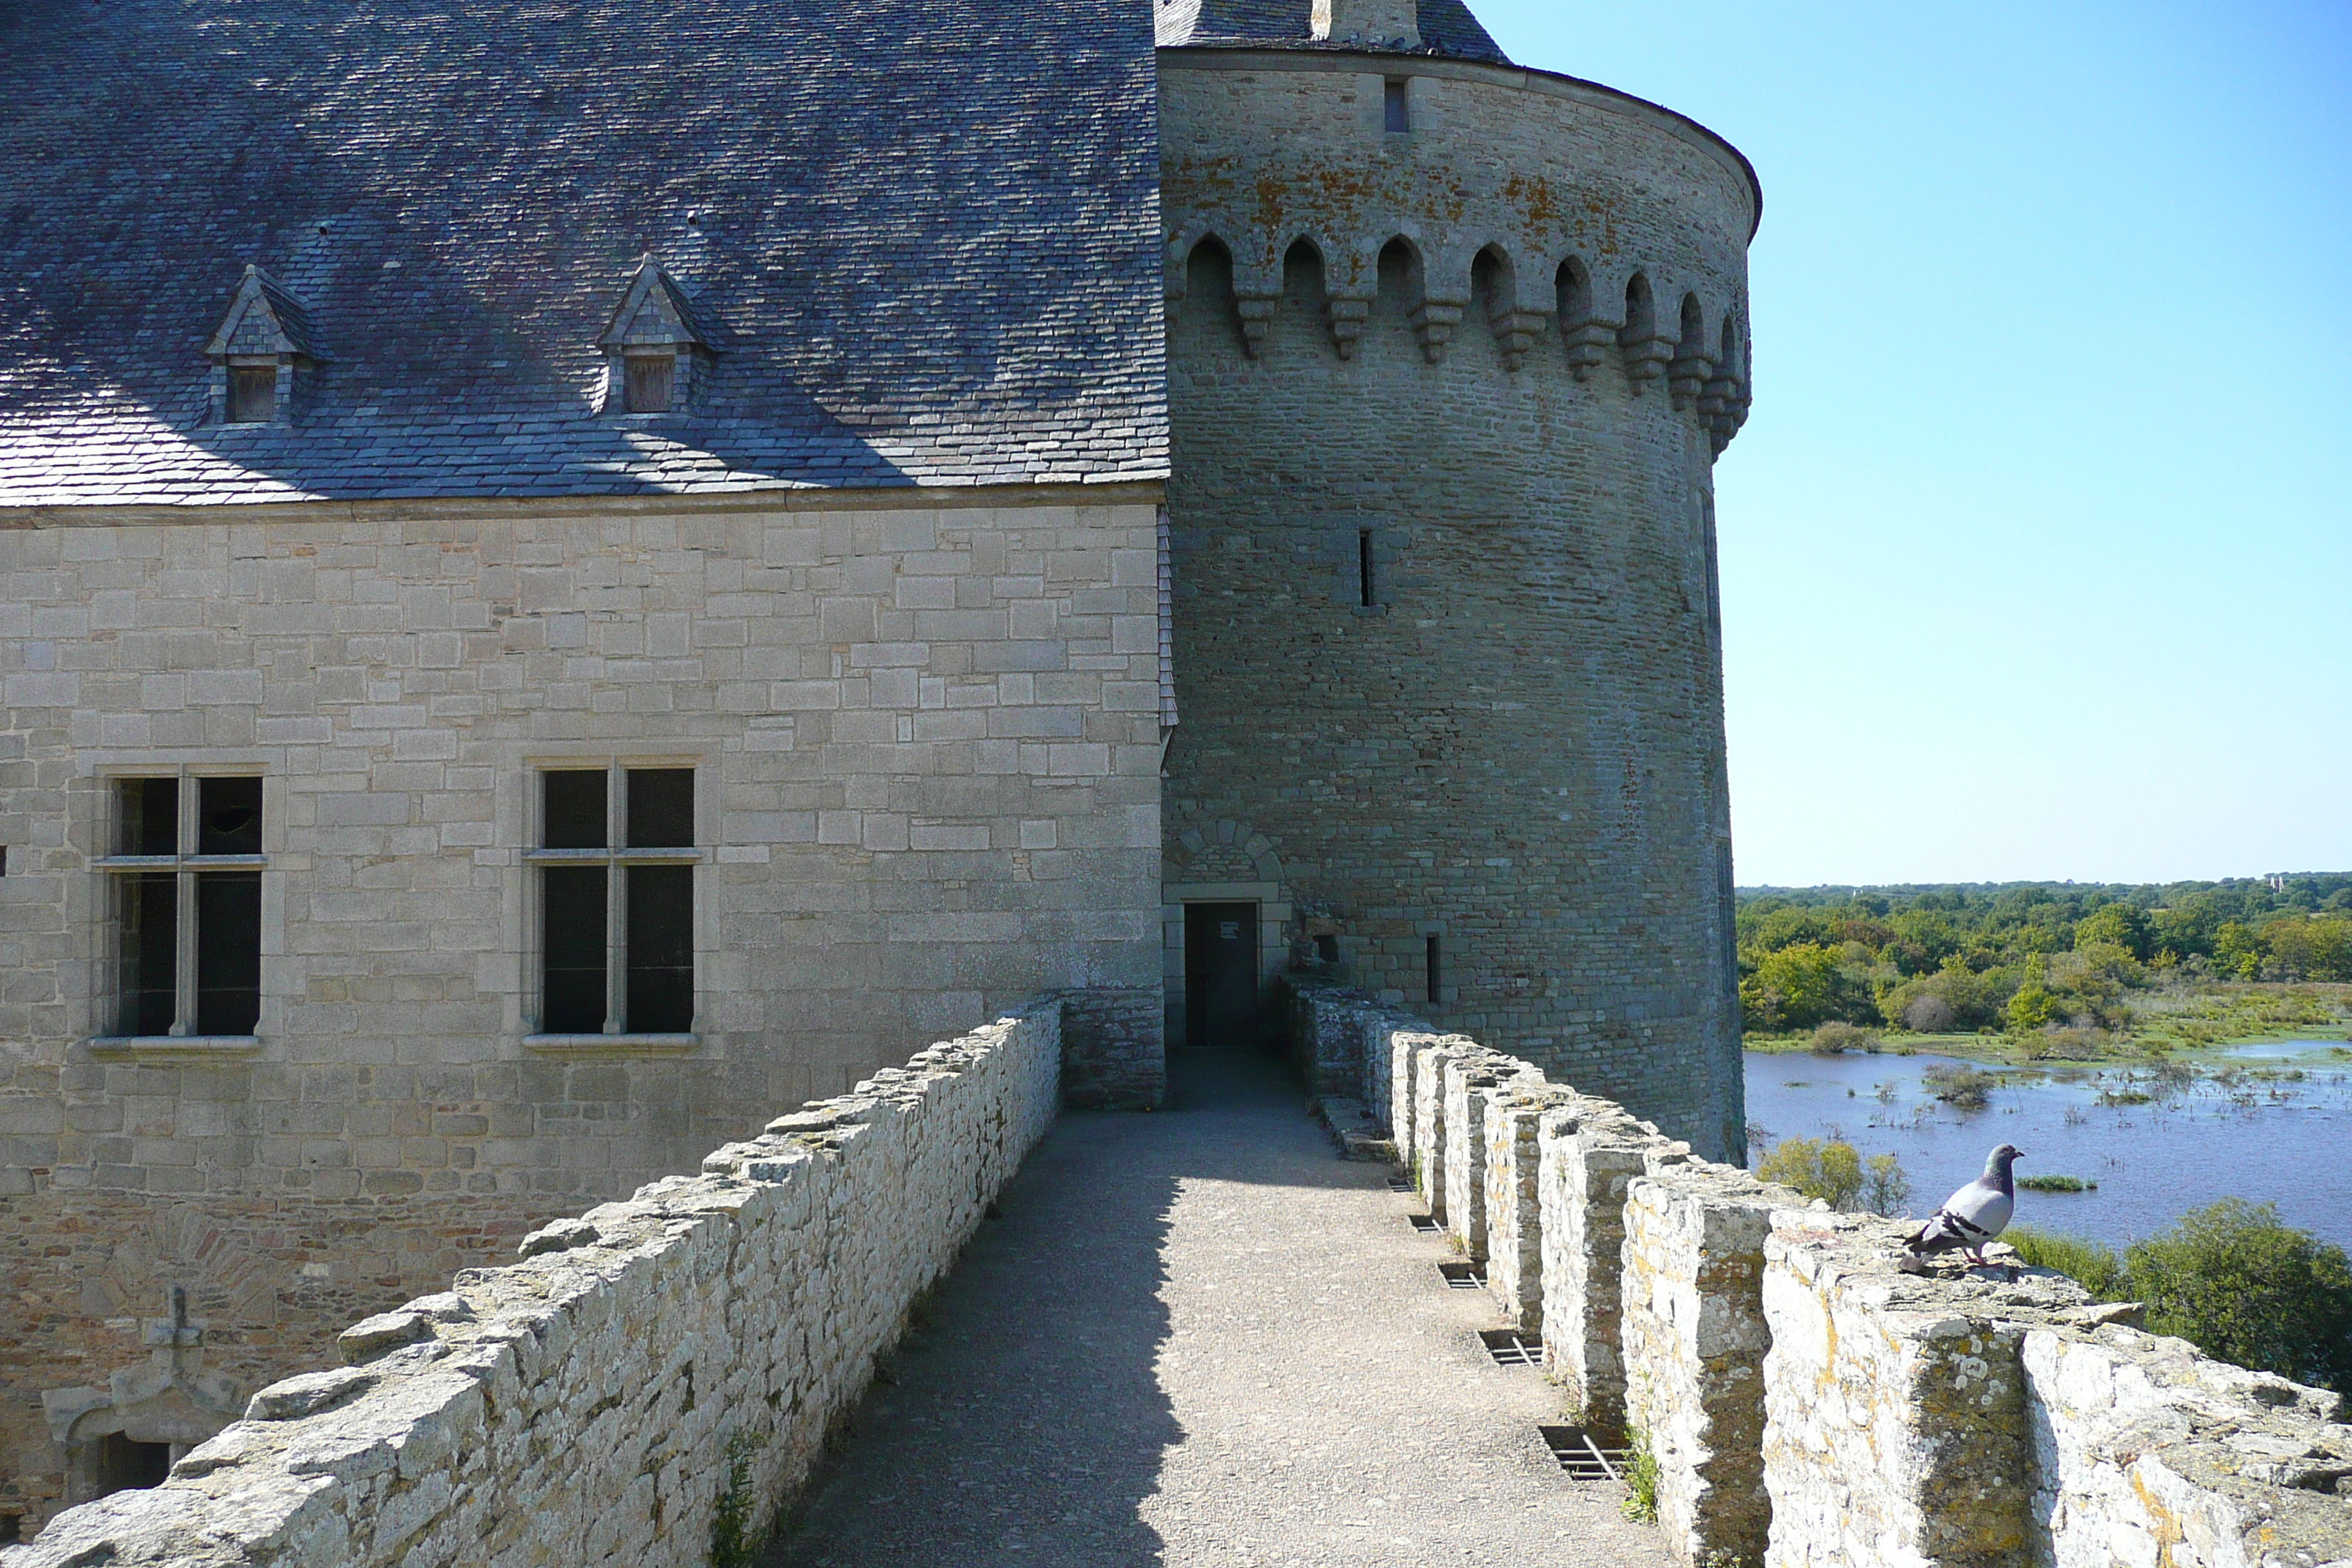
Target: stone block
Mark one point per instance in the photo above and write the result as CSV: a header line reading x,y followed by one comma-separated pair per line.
x,y
2147,1452
1897,1426
1693,1346
1588,1153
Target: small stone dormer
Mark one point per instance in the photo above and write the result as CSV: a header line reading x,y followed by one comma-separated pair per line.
x,y
657,352
264,343
1367,23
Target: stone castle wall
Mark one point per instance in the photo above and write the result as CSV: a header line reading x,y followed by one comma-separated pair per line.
x,y
588,1403
1516,747
1811,1405
924,731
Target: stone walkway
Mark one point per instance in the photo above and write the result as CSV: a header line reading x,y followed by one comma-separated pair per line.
x,y
1198,1338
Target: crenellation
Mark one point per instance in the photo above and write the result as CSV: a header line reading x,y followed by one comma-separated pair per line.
x,y
1809,1396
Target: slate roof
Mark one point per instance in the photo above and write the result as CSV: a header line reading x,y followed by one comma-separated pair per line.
x,y
924,233
1447,27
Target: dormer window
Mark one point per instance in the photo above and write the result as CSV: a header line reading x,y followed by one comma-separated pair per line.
x,y
651,380
252,393
657,348
264,343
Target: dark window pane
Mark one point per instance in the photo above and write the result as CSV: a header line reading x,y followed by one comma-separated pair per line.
x,y
661,950
228,951
151,920
127,1466
572,985
151,817
661,808
575,810
1396,107
252,393
229,817
649,377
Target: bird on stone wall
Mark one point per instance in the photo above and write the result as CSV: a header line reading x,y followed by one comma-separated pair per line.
x,y
1975,1215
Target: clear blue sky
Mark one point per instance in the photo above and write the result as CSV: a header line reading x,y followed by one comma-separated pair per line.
x,y
2037,557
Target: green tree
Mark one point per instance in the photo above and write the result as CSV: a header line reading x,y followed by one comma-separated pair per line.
x,y
2315,947
2243,1286
2238,951
1793,988
2117,925
2032,1006
1831,1171
2232,1281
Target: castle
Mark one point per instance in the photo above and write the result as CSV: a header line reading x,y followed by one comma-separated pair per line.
x,y
575,578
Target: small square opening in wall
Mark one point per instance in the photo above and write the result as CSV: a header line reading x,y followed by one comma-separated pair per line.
x,y
252,393
1582,1455
1396,107
1464,1276
649,381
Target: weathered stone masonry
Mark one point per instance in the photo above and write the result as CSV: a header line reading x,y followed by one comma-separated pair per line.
x,y
1810,1403
583,1404
923,733
1444,594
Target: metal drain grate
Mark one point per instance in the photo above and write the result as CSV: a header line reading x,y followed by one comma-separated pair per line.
x,y
1464,1276
1425,1223
1582,1457
1511,1348
1400,1184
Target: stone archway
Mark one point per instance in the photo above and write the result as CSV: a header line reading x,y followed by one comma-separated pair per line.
x,y
169,1403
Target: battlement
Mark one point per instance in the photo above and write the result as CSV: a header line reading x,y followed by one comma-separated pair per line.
x,y
1584,312
1808,1398
1566,225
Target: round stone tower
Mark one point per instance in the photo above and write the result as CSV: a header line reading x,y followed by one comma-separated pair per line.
x,y
1452,346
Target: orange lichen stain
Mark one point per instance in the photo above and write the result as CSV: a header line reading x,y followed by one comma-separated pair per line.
x,y
2163,1526
1534,196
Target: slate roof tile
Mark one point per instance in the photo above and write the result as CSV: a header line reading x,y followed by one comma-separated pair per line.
x,y
926,229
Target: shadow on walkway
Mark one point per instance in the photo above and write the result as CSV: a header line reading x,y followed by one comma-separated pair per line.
x,y
1197,1338
1023,1420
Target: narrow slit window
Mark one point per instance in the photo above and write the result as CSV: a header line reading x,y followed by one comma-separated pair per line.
x,y
187,906
649,379
1366,578
1434,960
1396,107
252,393
616,901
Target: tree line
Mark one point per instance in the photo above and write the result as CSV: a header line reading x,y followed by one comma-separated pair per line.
x,y
2023,956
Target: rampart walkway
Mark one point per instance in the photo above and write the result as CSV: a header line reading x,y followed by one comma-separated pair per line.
x,y
1198,1338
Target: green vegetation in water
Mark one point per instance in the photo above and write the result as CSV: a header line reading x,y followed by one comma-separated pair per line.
x,y
1836,1172
2057,1185
2046,972
2232,1281
1640,1504
1968,1089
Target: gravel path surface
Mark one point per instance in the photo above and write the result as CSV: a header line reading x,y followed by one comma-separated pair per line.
x,y
1199,1338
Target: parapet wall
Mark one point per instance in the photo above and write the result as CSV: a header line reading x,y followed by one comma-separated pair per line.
x,y
1809,1402
595,1400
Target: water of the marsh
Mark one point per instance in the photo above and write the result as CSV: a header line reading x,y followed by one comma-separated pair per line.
x,y
2269,1123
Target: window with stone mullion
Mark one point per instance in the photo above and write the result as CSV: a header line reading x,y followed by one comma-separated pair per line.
x,y
617,915
187,895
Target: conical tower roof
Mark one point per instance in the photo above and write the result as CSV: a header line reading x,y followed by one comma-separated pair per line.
x,y
1447,27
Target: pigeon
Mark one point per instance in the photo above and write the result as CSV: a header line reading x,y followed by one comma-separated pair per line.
x,y
1975,1215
